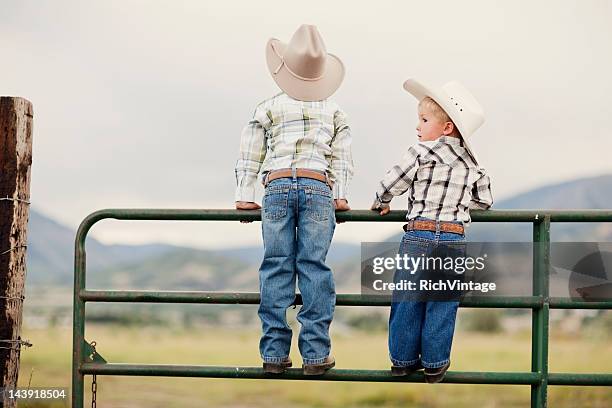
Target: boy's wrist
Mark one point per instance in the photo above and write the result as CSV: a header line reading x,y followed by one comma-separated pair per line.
x,y
379,205
340,191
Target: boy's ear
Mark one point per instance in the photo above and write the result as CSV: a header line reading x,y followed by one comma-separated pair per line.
x,y
449,128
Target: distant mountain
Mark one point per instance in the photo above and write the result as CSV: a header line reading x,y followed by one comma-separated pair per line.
x,y
585,193
179,269
161,266
590,192
50,261
50,252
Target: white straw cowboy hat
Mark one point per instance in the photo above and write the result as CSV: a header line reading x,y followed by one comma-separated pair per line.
x,y
303,68
463,109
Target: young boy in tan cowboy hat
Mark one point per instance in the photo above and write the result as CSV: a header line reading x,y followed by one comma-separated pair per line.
x,y
444,181
300,143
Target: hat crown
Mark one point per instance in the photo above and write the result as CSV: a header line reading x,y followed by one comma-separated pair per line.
x,y
306,54
459,103
467,109
303,68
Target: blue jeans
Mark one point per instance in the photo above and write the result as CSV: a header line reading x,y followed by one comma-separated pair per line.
x,y
423,330
298,222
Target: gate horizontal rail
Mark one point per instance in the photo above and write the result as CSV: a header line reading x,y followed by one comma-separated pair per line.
x,y
455,377
252,298
86,363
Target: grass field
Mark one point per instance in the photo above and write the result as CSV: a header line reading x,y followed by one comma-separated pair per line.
x,y
48,364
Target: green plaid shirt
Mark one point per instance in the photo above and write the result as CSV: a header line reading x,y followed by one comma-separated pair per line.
x,y
286,133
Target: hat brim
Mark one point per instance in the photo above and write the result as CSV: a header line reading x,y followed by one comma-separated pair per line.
x,y
301,89
420,91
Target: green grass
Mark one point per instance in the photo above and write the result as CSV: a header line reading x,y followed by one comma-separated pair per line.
x,y
49,363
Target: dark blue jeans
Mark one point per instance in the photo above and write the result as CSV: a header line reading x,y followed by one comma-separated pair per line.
x,y
298,222
421,330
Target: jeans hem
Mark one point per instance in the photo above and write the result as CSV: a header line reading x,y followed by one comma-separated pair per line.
x,y
274,359
401,363
437,364
311,361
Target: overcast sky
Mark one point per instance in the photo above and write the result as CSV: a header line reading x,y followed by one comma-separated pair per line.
x,y
141,103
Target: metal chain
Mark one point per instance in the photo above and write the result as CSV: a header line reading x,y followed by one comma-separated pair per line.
x,y
94,382
94,389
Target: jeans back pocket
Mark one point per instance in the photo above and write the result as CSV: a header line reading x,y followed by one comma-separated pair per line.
x,y
320,204
275,203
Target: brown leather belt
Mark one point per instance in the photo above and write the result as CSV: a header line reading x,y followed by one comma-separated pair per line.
x,y
426,225
311,174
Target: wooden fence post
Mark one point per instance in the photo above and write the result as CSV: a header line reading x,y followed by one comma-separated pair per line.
x,y
15,165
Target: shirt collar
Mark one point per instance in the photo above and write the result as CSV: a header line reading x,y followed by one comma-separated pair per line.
x,y
450,140
455,141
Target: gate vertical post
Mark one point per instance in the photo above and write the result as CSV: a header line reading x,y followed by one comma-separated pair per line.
x,y
78,318
540,316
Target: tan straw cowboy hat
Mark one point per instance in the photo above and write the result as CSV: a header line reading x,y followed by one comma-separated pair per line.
x,y
463,109
303,68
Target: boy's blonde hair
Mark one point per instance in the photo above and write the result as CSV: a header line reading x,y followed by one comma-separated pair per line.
x,y
438,112
435,109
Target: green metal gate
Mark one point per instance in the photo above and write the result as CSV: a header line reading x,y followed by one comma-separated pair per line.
x,y
85,361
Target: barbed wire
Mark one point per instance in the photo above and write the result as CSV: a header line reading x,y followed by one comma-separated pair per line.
x,y
13,297
7,198
14,248
18,345
14,344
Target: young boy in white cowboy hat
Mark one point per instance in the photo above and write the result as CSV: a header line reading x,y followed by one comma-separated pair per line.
x,y
444,181
299,142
